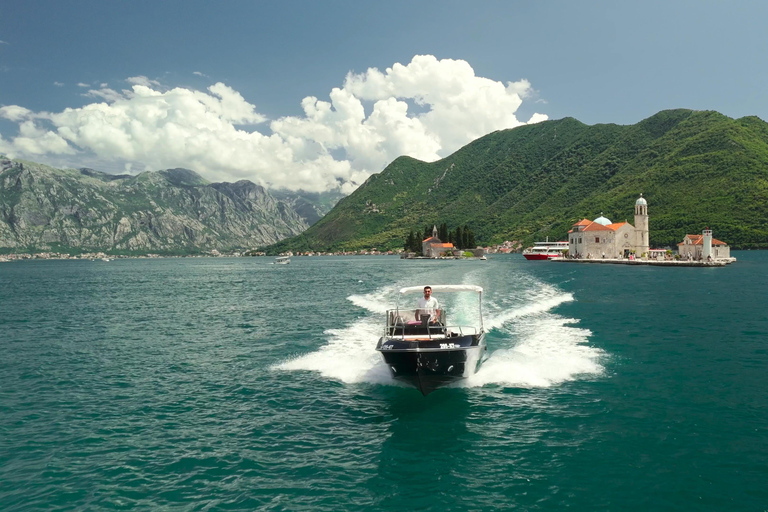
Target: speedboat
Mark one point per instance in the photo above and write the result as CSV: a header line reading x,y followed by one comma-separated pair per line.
x,y
282,260
425,350
546,250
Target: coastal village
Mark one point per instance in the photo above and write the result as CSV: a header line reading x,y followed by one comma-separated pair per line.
x,y
589,241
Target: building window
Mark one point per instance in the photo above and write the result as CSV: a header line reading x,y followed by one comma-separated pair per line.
x,y
597,239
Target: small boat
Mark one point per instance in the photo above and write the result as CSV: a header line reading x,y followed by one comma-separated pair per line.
x,y
546,250
282,260
483,258
430,355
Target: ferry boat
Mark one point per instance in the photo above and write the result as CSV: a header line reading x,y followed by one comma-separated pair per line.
x,y
282,260
428,355
546,250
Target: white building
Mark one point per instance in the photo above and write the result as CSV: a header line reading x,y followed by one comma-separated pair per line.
x,y
703,247
601,238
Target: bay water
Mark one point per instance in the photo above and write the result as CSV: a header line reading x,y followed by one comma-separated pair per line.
x,y
237,384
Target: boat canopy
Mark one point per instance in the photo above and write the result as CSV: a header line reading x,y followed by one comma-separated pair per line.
x,y
440,288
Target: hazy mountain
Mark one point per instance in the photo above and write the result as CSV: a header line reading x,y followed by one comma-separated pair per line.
x,y
312,206
695,168
170,211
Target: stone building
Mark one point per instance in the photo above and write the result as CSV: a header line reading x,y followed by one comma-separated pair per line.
x,y
601,238
703,247
433,247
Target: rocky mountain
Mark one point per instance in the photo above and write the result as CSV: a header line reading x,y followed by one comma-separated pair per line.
x,y
171,211
695,168
312,206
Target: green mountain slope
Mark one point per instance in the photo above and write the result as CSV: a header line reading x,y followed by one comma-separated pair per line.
x,y
696,169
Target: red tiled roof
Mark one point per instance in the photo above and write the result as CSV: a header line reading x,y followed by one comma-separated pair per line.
x,y
583,222
596,226
445,246
699,240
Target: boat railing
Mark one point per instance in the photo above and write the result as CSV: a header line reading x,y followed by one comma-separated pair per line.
x,y
410,322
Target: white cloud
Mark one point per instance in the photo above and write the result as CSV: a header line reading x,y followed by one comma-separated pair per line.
x,y
58,84
81,84
537,118
335,143
141,80
104,93
15,113
200,73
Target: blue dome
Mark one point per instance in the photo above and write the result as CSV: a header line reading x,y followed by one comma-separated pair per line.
x,y
641,201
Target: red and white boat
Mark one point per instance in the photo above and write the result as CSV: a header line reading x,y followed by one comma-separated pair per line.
x,y
546,251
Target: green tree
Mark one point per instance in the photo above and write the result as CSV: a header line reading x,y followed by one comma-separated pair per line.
x,y
459,238
409,242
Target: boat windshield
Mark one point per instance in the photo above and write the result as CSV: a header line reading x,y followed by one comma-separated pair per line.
x,y
461,302
408,322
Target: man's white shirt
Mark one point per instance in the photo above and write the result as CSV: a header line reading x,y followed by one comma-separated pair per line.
x,y
428,306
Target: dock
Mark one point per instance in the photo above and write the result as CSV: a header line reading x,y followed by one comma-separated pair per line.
x,y
657,263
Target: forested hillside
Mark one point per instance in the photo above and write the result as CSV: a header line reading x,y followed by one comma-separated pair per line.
x,y
695,168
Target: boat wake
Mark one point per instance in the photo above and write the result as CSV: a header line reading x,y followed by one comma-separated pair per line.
x,y
529,346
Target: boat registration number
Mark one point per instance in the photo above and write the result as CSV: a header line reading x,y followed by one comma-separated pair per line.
x,y
448,345
386,347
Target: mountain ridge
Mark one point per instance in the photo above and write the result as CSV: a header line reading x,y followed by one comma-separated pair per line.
x,y
696,168
169,211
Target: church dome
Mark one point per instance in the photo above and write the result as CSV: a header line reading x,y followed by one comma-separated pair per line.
x,y
602,220
640,201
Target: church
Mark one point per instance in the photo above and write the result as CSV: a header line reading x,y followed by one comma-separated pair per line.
x,y
433,247
601,238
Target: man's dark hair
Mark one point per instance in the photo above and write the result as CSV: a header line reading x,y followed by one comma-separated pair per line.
x,y
427,287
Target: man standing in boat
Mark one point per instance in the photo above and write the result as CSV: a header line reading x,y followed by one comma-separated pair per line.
x,y
428,305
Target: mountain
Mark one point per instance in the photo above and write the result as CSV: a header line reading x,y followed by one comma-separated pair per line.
x,y
171,211
312,206
695,168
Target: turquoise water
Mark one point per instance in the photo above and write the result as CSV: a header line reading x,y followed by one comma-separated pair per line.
x,y
234,384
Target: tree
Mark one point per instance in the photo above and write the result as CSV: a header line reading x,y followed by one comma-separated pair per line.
x,y
471,244
459,238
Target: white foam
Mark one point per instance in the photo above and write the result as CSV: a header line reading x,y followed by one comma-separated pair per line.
x,y
550,350
349,354
375,302
538,348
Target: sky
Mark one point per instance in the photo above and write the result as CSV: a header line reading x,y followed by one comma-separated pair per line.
x,y
317,96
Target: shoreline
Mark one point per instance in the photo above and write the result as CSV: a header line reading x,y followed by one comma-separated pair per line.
x,y
657,263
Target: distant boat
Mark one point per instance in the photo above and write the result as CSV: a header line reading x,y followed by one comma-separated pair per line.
x,y
483,258
546,250
282,260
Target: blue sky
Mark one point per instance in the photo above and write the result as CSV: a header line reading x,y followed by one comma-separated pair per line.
x,y
220,87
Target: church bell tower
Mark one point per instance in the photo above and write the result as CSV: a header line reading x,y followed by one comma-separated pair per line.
x,y
641,226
